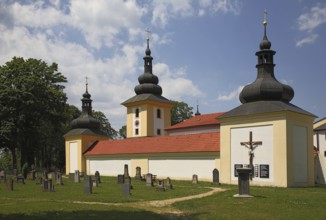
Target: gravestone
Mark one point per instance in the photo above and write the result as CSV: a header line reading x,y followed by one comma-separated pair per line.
x,y
194,179
50,186
88,184
98,177
120,179
160,186
45,176
216,178
59,178
20,179
51,176
243,182
45,185
2,175
169,184
77,176
39,180
10,184
149,179
126,177
95,182
33,174
126,189
138,173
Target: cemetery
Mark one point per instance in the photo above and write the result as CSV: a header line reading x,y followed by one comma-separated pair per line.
x,y
52,195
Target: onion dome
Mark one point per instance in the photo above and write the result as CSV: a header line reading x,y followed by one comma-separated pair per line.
x,y
86,120
266,86
148,82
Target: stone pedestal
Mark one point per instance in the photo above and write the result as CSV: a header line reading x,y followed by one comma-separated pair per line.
x,y
88,185
149,179
244,182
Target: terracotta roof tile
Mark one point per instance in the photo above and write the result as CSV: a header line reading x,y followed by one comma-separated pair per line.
x,y
204,142
198,120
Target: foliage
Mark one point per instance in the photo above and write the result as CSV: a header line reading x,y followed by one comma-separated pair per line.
x,y
105,124
180,112
32,103
24,170
123,132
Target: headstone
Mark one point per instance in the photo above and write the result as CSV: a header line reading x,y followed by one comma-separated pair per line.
x,y
126,177
138,174
88,184
97,176
50,186
169,184
45,185
160,186
194,179
59,178
95,182
33,173
51,175
45,176
216,178
10,184
39,180
149,179
120,179
77,176
2,175
243,182
126,189
20,179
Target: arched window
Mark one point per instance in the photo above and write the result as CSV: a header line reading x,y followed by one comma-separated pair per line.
x,y
137,113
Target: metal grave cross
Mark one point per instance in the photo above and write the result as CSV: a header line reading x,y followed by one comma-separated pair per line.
x,y
251,145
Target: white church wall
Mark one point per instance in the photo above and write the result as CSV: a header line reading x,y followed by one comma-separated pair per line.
x,y
182,168
300,154
73,154
263,154
107,167
321,159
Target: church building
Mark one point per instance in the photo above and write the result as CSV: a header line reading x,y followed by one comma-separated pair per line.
x,y
266,132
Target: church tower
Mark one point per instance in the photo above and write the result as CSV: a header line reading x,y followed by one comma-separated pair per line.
x,y
148,112
85,132
267,132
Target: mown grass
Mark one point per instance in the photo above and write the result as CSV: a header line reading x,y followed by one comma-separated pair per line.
x,y
268,203
29,202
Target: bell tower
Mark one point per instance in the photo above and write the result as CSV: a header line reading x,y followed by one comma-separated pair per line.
x,y
148,112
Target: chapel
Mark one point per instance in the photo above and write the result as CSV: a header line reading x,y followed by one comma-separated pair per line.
x,y
266,132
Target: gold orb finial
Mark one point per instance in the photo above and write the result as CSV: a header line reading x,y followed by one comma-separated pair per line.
x,y
265,15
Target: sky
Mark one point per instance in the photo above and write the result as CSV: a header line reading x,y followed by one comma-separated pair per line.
x,y
203,50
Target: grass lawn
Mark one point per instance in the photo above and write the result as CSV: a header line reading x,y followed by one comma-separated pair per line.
x,y
29,202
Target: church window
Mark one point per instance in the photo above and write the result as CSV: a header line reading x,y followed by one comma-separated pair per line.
x,y
136,131
137,113
158,113
158,131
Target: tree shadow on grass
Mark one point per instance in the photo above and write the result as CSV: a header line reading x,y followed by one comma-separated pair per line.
x,y
95,215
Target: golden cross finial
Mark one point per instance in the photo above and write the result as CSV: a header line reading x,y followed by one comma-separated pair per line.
x,y
265,16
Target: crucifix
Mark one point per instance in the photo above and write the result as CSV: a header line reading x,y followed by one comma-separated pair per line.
x,y
251,145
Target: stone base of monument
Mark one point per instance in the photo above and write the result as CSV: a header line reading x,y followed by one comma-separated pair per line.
x,y
243,183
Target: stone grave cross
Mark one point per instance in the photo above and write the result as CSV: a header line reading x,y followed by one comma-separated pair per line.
x,y
251,145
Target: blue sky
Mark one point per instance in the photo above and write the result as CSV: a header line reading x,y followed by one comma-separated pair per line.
x,y
204,50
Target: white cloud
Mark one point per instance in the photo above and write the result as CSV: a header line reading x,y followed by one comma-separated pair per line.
x,y
215,6
174,83
163,11
314,18
307,40
232,95
309,21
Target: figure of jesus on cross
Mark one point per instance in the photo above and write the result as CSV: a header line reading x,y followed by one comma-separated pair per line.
x,y
251,145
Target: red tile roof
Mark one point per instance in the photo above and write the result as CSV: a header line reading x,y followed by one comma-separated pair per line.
x,y
204,142
198,120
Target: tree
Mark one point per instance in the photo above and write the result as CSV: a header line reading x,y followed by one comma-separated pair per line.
x,y
105,124
123,132
32,103
180,112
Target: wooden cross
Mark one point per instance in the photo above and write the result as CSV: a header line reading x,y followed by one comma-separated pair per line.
x,y
251,145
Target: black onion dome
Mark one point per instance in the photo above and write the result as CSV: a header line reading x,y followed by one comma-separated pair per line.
x,y
266,86
148,82
86,120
